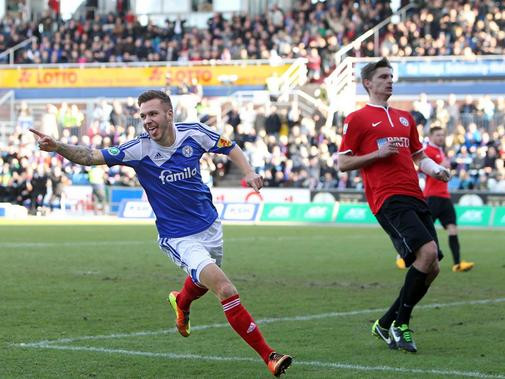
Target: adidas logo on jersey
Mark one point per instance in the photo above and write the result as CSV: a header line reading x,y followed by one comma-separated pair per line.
x,y
168,176
158,156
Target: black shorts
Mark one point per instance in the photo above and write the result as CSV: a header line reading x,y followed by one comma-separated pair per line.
x,y
442,209
408,222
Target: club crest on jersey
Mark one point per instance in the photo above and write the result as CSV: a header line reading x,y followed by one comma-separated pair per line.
x,y
223,142
345,128
404,121
187,151
113,150
168,176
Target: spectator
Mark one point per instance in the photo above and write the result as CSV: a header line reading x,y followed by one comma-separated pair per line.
x,y
58,181
37,186
273,122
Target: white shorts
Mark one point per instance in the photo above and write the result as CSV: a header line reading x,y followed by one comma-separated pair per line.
x,y
192,253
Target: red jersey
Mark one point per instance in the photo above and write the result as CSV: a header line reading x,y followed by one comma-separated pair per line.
x,y
369,128
435,187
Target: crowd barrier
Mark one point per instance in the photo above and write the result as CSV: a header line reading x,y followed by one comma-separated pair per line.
x,y
320,213
276,205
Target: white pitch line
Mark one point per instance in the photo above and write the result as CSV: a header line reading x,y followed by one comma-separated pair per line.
x,y
330,365
23,245
261,321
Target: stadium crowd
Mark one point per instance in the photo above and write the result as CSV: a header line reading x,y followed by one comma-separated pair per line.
x,y
464,28
313,30
286,147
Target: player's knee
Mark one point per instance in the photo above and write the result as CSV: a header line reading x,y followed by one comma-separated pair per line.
x,y
452,230
225,290
428,254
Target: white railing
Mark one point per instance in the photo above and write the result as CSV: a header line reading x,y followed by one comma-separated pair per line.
x,y
212,62
295,76
7,126
310,101
341,89
9,53
8,99
340,84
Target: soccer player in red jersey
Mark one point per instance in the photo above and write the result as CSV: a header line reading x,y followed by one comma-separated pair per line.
x,y
439,200
384,144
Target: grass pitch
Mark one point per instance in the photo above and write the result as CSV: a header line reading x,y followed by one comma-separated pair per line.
x,y
89,301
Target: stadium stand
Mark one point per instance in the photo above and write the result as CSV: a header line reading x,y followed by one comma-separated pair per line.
x,y
288,146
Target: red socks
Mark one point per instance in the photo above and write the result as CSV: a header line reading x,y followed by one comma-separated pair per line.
x,y
243,323
238,317
190,291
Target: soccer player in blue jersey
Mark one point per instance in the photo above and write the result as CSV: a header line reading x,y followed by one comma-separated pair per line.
x,y
166,159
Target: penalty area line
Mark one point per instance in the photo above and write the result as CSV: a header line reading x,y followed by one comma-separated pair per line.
x,y
319,364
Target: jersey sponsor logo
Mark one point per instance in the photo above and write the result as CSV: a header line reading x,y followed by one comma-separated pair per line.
x,y
168,176
396,141
374,124
187,151
223,142
404,121
113,150
345,128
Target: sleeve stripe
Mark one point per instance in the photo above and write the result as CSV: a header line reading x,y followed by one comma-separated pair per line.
x,y
210,133
129,144
187,126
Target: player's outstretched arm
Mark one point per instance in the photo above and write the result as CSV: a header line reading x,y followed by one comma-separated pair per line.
x,y
253,180
75,153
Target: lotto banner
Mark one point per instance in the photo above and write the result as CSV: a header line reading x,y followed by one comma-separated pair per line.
x,y
81,77
473,216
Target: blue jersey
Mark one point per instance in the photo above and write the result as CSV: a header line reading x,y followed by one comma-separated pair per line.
x,y
171,176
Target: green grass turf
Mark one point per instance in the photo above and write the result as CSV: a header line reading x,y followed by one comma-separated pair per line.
x,y
67,281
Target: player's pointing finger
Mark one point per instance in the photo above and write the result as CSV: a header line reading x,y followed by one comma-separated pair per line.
x,y
37,132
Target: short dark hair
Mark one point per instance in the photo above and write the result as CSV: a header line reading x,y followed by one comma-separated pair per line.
x,y
369,69
155,94
435,129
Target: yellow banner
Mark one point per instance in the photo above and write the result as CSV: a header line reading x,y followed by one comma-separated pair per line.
x,y
135,76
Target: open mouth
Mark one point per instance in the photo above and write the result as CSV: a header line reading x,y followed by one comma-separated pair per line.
x,y
151,129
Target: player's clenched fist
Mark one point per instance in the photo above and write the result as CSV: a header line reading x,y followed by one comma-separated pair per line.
x,y
254,180
443,175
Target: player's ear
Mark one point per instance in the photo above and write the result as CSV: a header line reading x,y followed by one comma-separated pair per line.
x,y
169,113
366,83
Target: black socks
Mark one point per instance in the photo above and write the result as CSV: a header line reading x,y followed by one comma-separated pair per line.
x,y
413,291
454,245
